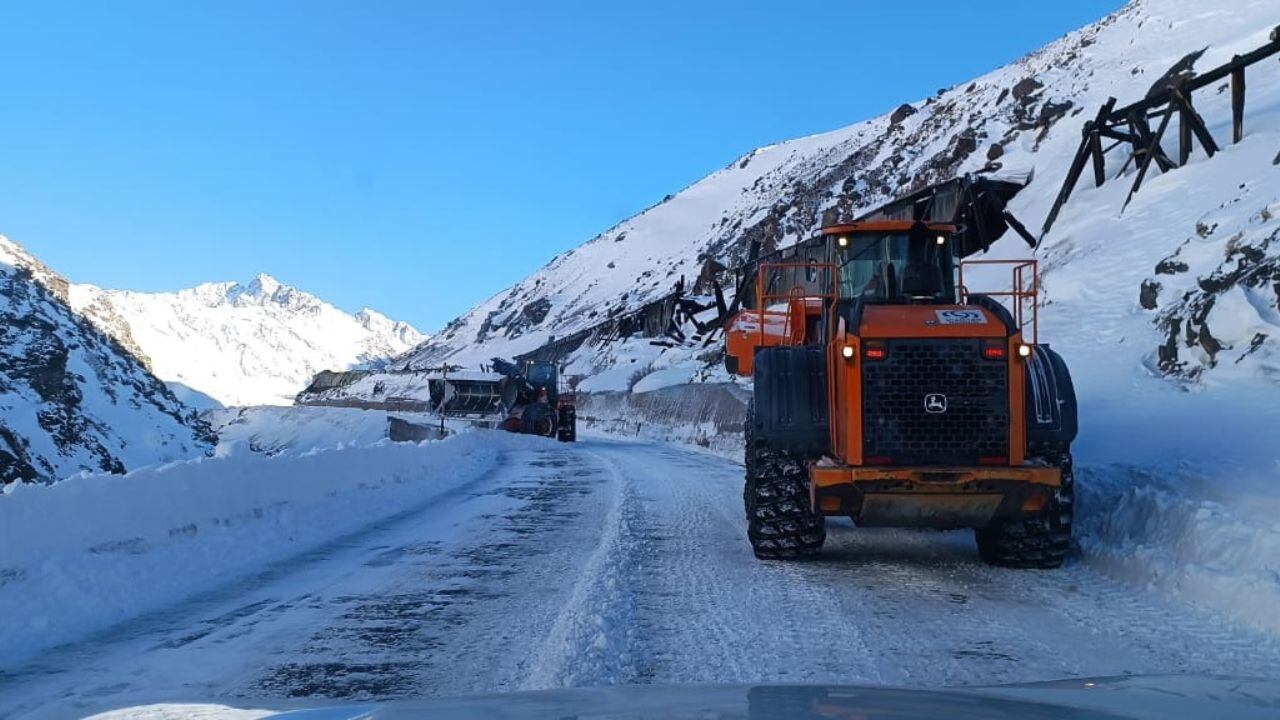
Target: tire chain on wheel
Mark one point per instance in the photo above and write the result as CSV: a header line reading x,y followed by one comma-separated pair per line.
x,y
1039,542
780,522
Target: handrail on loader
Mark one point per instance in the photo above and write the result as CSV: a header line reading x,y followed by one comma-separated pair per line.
x,y
795,292
1024,295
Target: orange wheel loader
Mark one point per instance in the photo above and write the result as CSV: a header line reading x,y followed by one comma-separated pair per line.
x,y
887,392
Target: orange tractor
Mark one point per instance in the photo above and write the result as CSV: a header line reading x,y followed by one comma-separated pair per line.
x,y
888,392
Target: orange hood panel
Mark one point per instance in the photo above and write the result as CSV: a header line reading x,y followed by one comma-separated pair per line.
x,y
929,321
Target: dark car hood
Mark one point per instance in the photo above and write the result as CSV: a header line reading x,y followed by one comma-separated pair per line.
x,y
1126,697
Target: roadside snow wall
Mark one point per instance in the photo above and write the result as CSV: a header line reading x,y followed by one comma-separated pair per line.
x,y
273,430
94,550
707,416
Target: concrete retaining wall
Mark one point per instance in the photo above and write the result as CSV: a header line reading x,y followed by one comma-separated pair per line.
x,y
706,415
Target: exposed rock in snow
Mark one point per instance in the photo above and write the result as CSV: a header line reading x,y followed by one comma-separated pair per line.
x,y
72,398
1230,312
252,344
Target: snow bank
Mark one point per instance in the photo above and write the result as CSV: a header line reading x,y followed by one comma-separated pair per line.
x,y
96,550
662,378
1178,492
273,430
1158,529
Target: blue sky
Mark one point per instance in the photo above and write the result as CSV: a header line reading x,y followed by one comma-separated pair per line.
x,y
417,157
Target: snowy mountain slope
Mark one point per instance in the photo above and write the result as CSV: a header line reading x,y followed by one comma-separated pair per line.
x,y
253,344
71,398
1022,118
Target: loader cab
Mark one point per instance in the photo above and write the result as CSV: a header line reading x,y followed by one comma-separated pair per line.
x,y
894,262
543,379
541,374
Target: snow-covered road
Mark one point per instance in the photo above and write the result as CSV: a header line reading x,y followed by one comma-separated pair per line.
x,y
612,562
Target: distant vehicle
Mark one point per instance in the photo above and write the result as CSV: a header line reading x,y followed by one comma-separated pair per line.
x,y
525,398
886,391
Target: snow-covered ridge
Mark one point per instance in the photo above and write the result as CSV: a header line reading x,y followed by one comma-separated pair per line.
x,y
257,343
72,398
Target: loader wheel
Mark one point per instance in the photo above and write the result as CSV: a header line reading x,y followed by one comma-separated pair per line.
x,y
781,525
538,419
1040,542
567,428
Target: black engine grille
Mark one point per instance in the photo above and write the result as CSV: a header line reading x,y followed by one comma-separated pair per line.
x,y
896,424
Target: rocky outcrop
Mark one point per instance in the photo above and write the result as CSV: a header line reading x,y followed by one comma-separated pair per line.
x,y
903,112
71,397
1230,311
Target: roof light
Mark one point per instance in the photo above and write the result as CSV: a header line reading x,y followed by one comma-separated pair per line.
x,y
843,241
1024,350
942,239
847,351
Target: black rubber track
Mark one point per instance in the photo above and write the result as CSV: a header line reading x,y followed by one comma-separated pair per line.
x,y
780,523
1041,542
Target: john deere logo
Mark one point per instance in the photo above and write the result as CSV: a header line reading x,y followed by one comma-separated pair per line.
x,y
935,403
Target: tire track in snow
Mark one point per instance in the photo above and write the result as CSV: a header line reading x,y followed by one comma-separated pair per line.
x,y
939,616
896,606
469,617
589,643
710,612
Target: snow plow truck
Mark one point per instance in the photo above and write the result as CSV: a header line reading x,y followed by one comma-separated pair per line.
x,y
527,397
887,391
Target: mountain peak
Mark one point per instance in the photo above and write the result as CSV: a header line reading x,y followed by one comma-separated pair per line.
x,y
264,289
15,255
263,284
245,343
376,322
368,316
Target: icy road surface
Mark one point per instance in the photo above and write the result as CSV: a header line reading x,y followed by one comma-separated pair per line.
x,y
610,562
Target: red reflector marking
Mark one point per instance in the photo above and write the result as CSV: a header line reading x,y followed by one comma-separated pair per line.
x,y
994,352
993,460
875,353
877,460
